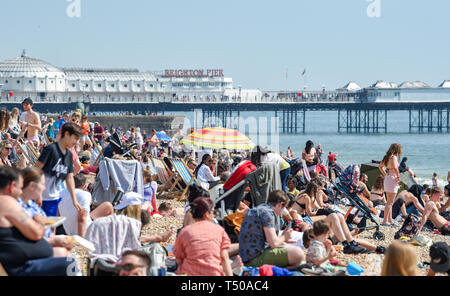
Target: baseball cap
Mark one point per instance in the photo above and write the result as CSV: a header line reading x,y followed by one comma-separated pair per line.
x,y
440,261
130,199
28,101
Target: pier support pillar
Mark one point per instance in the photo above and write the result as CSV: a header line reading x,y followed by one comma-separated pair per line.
x,y
362,121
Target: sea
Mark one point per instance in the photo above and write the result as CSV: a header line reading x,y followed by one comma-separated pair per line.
x,y
427,152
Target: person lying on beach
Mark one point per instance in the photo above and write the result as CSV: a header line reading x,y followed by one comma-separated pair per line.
x,y
166,210
432,212
131,207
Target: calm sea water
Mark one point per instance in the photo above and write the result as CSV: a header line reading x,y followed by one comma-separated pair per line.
x,y
427,152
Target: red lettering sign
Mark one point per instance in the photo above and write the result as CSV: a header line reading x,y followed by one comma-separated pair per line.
x,y
194,73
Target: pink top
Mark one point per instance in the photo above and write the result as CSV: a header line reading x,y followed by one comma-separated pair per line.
x,y
199,246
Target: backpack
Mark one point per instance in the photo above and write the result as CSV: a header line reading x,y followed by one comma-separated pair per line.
x,y
158,255
409,227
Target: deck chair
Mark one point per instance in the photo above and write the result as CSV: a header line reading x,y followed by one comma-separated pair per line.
x,y
3,271
161,170
115,171
100,156
183,174
30,157
111,236
153,170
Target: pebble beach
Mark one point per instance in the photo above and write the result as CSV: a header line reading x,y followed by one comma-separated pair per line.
x,y
371,263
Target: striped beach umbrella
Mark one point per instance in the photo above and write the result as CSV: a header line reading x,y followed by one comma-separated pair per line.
x,y
218,138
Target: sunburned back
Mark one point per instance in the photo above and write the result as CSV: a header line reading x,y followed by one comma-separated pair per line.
x,y
437,219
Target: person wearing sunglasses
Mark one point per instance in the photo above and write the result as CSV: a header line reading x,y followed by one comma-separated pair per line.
x,y
133,263
5,151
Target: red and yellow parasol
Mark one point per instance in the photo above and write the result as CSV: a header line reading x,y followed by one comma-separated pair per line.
x,y
218,138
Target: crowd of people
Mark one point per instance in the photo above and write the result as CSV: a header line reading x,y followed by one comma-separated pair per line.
x,y
292,222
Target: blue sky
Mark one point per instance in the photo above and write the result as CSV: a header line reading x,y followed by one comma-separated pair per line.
x,y
255,42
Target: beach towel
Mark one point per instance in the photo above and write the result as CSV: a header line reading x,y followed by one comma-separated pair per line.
x,y
263,181
112,235
117,176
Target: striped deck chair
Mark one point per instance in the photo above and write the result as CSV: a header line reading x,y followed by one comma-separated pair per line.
x,y
161,170
100,156
153,170
183,174
27,152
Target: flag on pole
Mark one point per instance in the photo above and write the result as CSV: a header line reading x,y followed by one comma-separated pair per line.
x,y
304,72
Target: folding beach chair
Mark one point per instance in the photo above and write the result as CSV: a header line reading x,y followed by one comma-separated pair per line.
x,y
153,170
183,174
100,156
30,157
111,236
161,170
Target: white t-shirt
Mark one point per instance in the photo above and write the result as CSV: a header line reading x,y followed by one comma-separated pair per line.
x,y
68,210
274,158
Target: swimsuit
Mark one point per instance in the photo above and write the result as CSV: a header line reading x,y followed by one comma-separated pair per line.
x,y
390,184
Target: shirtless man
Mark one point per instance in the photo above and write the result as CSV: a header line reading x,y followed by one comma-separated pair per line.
x,y
432,212
31,123
408,199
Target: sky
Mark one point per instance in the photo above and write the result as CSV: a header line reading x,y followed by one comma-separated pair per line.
x,y
260,44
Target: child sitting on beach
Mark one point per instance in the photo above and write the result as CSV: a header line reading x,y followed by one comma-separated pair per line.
x,y
291,185
320,249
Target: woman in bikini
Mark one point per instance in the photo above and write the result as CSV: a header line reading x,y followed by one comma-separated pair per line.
x,y
377,193
391,180
306,204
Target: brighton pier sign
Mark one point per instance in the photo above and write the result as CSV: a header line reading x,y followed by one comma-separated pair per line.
x,y
194,73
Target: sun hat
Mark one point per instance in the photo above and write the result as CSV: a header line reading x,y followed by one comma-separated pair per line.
x,y
440,262
130,199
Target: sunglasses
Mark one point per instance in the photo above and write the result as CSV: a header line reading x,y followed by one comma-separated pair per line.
x,y
128,267
8,148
